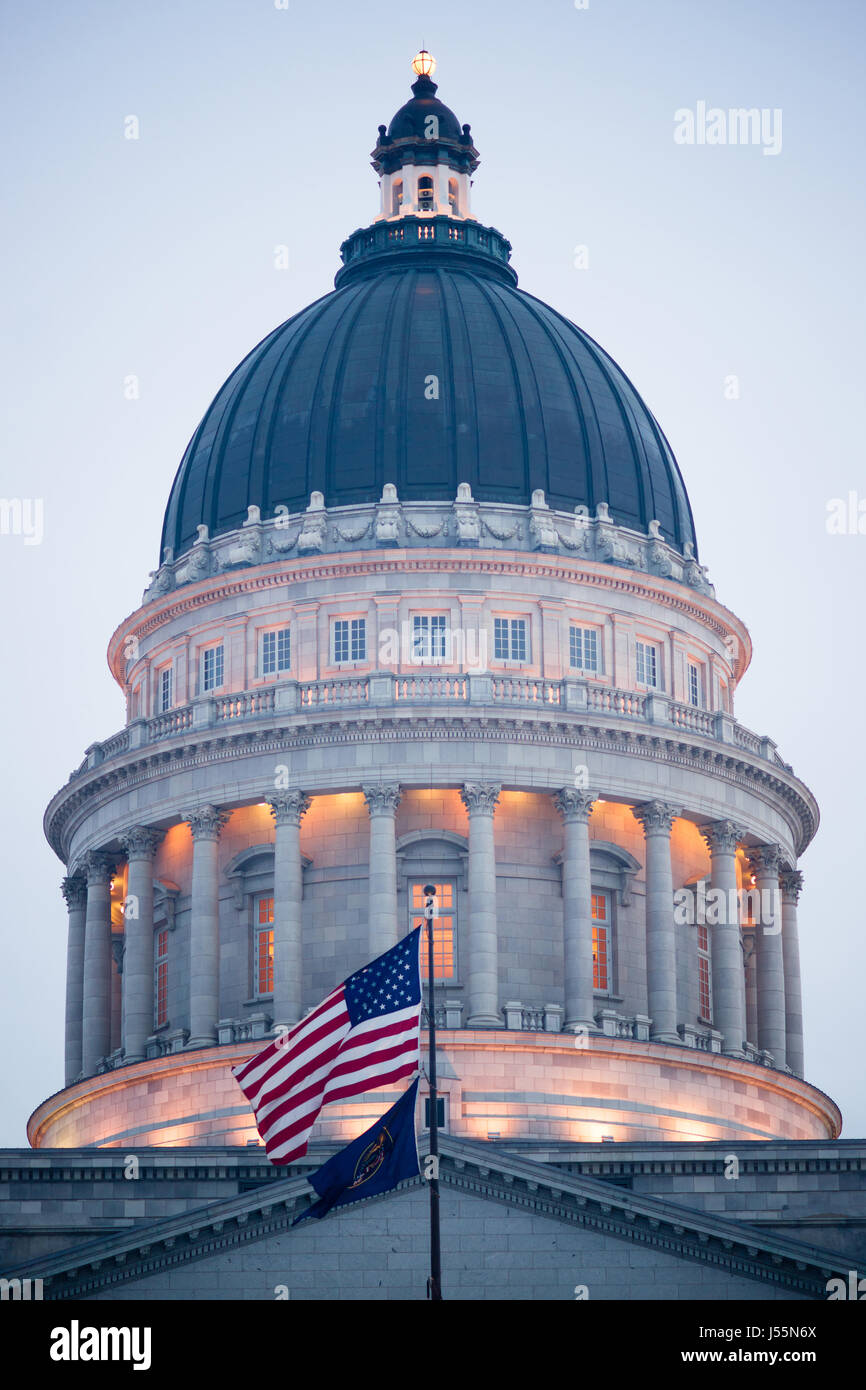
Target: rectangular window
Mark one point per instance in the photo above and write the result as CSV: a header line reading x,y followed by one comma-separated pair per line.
x,y
264,946
600,941
164,693
440,1112
509,639
443,930
429,636
212,668
276,651
694,684
160,982
583,648
705,990
646,664
350,639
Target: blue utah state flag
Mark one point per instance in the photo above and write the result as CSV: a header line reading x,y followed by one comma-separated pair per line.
x,y
375,1162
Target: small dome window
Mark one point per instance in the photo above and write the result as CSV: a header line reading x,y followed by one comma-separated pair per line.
x,y
425,193
396,197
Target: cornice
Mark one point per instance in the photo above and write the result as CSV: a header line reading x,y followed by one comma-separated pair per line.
x,y
188,751
740,1249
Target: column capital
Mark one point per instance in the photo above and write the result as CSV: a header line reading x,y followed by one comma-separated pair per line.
x,y
791,884
723,836
74,890
765,860
205,822
97,867
382,798
288,807
656,817
574,804
480,797
140,841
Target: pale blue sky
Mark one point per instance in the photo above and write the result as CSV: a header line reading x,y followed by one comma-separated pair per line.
x,y
155,258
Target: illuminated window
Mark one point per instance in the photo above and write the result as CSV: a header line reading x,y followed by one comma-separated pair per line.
x,y
694,684
646,661
396,197
429,636
276,651
425,193
160,981
705,990
263,964
583,648
453,197
443,930
509,639
212,668
600,940
164,690
350,639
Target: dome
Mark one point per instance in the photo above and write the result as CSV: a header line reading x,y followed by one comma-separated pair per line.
x,y
427,369
410,122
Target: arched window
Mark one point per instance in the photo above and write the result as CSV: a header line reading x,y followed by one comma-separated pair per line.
x,y
425,193
396,197
453,196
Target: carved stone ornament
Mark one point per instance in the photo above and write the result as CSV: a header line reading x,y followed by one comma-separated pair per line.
x,y
383,798
98,867
791,884
723,836
205,822
140,842
574,804
480,797
288,807
388,517
656,817
765,861
74,890
315,526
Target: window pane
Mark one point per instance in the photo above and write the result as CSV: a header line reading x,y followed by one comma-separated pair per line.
x,y
269,654
500,639
590,649
575,648
341,640
284,649
599,957
437,635
518,639
359,639
265,962
443,930
419,636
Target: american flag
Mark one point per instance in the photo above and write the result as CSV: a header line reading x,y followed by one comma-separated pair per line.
x,y
365,1034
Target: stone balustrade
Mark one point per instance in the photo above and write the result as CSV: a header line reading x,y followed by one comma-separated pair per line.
x,y
383,689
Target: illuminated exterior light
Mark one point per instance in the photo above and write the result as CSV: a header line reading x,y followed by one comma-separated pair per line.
x,y
424,64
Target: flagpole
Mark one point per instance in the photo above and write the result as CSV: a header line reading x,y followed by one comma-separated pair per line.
x,y
434,1283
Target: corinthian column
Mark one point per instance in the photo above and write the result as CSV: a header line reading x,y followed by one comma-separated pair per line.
x,y
139,845
74,890
657,817
480,800
288,809
726,952
96,1013
575,807
382,802
791,883
765,861
205,822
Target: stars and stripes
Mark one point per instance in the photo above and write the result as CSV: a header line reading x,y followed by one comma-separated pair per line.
x,y
364,1035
